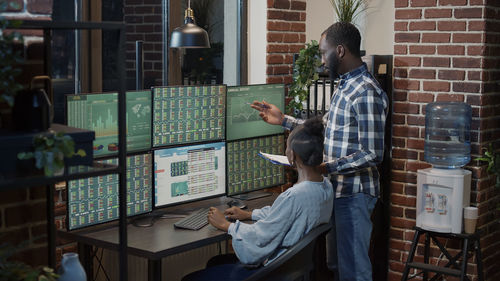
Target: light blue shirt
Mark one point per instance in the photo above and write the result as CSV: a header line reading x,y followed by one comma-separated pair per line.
x,y
293,214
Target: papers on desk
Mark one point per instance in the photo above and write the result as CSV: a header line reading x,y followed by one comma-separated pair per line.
x,y
275,159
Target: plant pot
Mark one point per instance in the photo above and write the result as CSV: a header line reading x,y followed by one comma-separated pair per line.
x,y
51,168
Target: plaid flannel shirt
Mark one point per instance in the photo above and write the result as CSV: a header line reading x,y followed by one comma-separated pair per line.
x,y
354,133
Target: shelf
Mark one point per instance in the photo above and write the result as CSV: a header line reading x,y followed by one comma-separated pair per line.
x,y
40,24
8,182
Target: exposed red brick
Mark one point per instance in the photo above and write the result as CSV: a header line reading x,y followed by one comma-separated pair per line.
x,y
422,25
400,72
476,50
452,2
398,119
467,62
409,14
406,37
468,13
397,211
276,15
404,131
474,75
298,27
39,6
278,26
402,107
270,3
398,165
436,86
303,16
291,38
400,50
451,50
272,48
477,26
23,214
437,13
406,61
275,37
436,61
436,37
401,26
274,79
451,75
281,4
466,87
397,199
404,84
411,213
450,97
467,38
398,142
452,26
399,95
420,97
274,59
291,16
295,48
413,166
422,73
401,3
423,3
298,6
425,50
417,143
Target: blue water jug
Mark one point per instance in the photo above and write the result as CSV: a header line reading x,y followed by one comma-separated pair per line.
x,y
447,134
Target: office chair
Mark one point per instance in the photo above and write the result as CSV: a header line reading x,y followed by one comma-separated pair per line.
x,y
296,263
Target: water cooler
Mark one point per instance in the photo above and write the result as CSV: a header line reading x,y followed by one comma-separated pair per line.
x,y
444,190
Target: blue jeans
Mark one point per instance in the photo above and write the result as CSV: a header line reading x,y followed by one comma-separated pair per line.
x,y
348,242
222,267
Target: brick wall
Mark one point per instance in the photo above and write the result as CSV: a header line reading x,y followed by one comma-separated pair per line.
x,y
23,212
143,18
444,50
286,35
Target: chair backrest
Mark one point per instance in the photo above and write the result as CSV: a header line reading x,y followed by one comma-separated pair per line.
x,y
296,262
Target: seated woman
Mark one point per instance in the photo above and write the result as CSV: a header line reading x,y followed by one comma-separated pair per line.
x,y
293,214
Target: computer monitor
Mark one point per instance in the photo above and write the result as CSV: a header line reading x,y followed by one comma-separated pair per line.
x,y
189,173
95,200
243,121
99,112
247,171
188,114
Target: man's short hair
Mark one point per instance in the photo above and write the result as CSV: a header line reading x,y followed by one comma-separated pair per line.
x,y
346,34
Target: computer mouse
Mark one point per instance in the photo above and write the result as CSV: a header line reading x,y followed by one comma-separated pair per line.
x,y
236,203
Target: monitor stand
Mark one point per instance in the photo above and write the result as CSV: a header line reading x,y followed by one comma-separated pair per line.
x,y
174,214
144,221
251,195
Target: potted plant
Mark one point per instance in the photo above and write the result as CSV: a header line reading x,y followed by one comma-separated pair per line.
x,y
50,149
15,270
493,159
305,72
348,10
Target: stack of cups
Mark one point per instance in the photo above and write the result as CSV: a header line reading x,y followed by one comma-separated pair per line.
x,y
470,219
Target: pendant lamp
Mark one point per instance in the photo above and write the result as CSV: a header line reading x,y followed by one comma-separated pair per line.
x,y
189,35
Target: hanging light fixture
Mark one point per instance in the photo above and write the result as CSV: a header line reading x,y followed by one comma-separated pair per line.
x,y
189,35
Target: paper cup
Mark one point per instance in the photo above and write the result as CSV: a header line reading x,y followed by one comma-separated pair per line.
x,y
470,219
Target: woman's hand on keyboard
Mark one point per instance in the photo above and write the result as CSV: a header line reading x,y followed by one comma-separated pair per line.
x,y
235,213
217,219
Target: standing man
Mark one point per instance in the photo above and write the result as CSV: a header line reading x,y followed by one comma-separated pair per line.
x,y
354,145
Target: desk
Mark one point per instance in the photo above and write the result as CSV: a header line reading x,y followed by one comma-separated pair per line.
x,y
158,241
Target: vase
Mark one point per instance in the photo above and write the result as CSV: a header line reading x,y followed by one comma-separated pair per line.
x,y
71,269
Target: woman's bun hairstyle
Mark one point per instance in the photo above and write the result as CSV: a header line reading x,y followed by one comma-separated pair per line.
x,y
307,141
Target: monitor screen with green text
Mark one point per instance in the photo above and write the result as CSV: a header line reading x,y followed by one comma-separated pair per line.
x,y
242,121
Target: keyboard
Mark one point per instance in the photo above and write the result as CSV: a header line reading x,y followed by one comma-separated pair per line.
x,y
194,221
